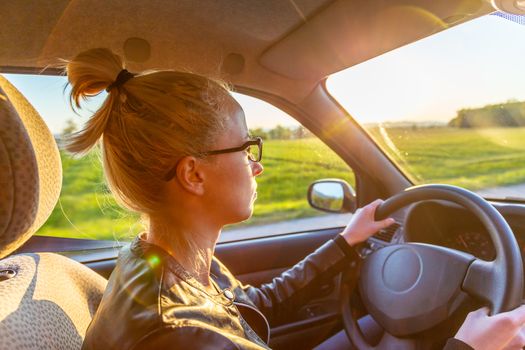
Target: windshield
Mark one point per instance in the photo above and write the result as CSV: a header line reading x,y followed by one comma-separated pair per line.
x,y
449,108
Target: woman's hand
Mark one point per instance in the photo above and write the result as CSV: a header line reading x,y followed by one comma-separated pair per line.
x,y
501,331
363,224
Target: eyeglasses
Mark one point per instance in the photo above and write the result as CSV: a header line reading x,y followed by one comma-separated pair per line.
x,y
254,153
252,147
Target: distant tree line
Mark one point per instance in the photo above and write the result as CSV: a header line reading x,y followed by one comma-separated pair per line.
x,y
282,133
277,133
509,114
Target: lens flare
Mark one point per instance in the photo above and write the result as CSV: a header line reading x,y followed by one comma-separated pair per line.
x,y
153,261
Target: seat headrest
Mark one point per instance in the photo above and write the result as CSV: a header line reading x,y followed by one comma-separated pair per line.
x,y
30,169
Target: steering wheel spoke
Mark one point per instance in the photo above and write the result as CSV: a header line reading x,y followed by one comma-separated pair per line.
x,y
387,342
409,288
482,281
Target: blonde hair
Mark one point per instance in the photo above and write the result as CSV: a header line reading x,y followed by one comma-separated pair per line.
x,y
145,125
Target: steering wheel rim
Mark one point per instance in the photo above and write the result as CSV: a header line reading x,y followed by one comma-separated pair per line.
x,y
504,274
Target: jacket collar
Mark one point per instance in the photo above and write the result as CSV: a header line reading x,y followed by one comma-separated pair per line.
x,y
155,255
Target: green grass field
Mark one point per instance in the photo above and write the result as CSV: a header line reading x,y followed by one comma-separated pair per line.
x,y
87,210
474,159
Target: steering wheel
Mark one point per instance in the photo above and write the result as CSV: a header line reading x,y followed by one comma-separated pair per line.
x,y
409,288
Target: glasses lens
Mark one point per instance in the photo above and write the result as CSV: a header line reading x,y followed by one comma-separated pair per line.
x,y
254,153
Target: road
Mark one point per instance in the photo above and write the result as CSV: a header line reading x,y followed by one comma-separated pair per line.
x,y
337,220
514,191
297,225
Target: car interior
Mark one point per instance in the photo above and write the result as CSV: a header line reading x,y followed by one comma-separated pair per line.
x,y
282,53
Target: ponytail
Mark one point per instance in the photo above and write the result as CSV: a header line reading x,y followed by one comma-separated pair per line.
x,y
90,73
146,123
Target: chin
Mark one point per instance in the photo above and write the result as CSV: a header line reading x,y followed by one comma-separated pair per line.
x,y
243,216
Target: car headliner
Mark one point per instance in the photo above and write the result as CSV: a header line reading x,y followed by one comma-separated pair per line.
x,y
283,47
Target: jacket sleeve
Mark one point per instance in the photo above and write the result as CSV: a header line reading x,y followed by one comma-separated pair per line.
x,y
456,344
184,337
285,293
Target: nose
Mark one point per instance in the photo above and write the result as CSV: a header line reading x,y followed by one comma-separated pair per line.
x,y
257,168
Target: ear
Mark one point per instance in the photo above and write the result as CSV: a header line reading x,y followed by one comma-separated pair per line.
x,y
190,175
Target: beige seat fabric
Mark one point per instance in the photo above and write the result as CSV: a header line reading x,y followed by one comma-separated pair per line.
x,y
46,300
49,303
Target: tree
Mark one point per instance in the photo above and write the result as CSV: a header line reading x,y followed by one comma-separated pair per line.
x,y
259,132
70,127
509,115
299,133
280,133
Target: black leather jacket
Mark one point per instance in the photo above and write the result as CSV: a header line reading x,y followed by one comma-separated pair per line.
x,y
151,302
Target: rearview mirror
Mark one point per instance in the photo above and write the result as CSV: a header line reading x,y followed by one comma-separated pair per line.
x,y
332,195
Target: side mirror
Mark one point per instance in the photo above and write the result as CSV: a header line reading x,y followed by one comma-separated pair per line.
x,y
332,195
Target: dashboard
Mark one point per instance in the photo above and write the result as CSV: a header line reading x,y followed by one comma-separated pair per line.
x,y
475,242
450,225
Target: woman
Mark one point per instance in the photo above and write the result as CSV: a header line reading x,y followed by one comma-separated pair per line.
x,y
176,149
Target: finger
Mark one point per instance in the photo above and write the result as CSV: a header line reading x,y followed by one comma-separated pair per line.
x,y
518,342
484,311
518,314
375,203
520,339
371,207
385,223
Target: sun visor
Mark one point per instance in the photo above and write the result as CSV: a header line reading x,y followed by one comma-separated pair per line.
x,y
350,32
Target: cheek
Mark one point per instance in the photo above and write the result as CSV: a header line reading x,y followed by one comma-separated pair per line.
x,y
234,183
241,187
241,181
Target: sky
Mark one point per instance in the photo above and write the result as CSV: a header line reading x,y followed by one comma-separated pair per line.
x,y
49,98
471,65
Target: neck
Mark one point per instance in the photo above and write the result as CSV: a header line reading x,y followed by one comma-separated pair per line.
x,y
192,245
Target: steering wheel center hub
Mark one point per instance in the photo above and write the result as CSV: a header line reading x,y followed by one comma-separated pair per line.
x,y
397,261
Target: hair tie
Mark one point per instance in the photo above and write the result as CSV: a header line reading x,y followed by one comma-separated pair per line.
x,y
122,77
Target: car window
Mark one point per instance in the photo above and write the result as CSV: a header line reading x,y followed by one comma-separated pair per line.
x,y
449,108
292,158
